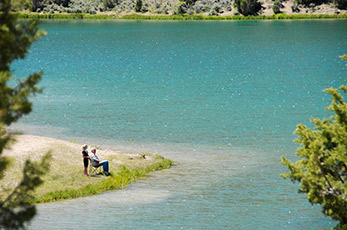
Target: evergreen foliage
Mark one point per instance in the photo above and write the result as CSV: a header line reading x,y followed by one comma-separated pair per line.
x,y
322,171
180,17
295,7
248,7
138,5
314,2
276,7
108,4
245,7
15,39
190,2
341,4
181,8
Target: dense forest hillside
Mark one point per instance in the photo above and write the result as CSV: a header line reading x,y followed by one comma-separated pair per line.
x,y
171,7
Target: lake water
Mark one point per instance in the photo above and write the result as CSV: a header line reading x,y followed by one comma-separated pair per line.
x,y
222,99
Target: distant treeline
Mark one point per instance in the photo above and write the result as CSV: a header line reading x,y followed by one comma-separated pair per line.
x,y
169,7
177,17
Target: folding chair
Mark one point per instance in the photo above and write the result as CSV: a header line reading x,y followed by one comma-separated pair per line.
x,y
95,170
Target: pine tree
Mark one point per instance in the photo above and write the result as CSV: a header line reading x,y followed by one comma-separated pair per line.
x,y
322,171
15,39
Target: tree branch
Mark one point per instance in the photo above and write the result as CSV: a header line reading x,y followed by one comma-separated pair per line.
x,y
334,193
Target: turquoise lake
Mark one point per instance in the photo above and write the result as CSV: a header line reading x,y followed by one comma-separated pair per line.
x,y
221,99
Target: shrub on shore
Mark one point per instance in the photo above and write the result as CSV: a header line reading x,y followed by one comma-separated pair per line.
x,y
138,6
191,7
248,7
295,7
276,7
341,4
123,6
179,17
315,2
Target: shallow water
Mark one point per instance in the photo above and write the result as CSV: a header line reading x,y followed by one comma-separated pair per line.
x,y
221,99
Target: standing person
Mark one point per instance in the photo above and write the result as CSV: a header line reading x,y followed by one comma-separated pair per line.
x,y
96,162
85,157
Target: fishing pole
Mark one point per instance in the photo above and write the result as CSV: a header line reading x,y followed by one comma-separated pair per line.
x,y
101,145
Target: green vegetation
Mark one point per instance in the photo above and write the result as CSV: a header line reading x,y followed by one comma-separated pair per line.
x,y
108,4
276,7
138,5
15,39
65,178
65,16
179,17
313,2
248,7
341,4
167,7
322,169
181,8
190,3
118,180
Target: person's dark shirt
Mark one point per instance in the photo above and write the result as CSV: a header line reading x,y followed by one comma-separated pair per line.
x,y
85,160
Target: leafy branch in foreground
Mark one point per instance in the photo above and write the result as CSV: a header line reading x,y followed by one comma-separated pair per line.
x,y
17,208
15,39
322,171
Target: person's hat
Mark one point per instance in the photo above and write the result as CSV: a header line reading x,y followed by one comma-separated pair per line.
x,y
84,146
93,149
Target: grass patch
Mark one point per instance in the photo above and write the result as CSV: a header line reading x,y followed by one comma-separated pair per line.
x,y
182,17
65,178
116,181
65,16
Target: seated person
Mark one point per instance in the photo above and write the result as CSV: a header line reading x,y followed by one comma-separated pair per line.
x,y
94,160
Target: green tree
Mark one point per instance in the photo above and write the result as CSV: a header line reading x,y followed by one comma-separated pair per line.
x,y
38,4
341,4
276,7
248,7
15,39
181,8
190,3
108,4
322,171
138,6
315,2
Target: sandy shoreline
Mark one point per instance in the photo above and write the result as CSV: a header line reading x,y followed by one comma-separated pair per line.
x,y
34,147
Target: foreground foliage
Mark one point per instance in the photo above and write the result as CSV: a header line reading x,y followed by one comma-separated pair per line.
x,y
322,171
15,39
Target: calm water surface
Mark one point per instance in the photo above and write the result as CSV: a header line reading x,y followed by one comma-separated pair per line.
x,y
221,99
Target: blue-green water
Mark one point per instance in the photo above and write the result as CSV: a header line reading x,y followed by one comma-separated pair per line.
x,y
221,99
